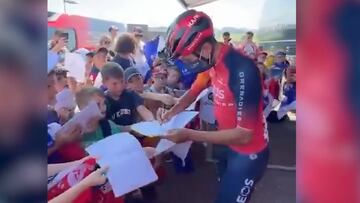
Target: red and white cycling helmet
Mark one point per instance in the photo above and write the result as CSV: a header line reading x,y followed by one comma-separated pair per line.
x,y
189,31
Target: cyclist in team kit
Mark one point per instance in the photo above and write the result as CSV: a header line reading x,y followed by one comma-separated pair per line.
x,y
238,107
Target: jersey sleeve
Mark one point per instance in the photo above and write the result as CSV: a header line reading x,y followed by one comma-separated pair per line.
x,y
248,96
201,82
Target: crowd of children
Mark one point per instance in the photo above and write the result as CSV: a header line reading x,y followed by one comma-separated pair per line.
x,y
117,86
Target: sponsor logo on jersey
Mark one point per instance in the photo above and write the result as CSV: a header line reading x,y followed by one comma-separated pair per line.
x,y
219,93
253,156
240,101
245,191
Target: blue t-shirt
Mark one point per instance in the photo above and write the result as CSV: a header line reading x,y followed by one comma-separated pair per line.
x,y
52,117
123,62
123,111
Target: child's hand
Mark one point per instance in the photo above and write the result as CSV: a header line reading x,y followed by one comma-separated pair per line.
x,y
61,43
70,134
163,115
97,177
178,135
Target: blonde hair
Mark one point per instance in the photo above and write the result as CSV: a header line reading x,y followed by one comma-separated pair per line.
x,y
84,96
103,39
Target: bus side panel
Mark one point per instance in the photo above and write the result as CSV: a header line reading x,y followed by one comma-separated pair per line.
x,y
79,24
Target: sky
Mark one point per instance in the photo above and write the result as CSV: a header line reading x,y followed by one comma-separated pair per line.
x,y
224,13
278,12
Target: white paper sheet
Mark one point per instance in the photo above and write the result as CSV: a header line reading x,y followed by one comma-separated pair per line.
x,y
154,128
53,128
269,107
129,167
149,128
84,116
285,109
202,94
163,146
181,150
75,64
65,99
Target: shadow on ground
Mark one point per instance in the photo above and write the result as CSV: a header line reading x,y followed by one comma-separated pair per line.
x,y
200,186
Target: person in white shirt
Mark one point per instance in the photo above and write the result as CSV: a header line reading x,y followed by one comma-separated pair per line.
x,y
113,33
208,121
249,47
139,57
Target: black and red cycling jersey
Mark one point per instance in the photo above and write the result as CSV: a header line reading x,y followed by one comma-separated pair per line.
x,y
238,102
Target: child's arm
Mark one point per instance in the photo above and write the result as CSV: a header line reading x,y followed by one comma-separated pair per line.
x,y
53,169
145,113
95,178
164,98
56,168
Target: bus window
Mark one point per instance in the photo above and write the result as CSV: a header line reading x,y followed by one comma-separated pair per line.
x,y
71,45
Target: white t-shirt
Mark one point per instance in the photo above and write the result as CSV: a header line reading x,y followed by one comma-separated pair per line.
x,y
98,81
249,48
140,59
206,112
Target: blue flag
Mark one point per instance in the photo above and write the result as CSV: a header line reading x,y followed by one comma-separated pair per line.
x,y
289,101
151,49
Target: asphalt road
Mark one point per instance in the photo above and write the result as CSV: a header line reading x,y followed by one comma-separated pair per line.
x,y
200,186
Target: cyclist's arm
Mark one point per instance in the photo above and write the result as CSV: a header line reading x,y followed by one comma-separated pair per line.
x,y
236,136
248,95
202,82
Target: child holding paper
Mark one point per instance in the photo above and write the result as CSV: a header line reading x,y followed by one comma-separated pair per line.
x,y
64,187
135,82
65,105
60,140
101,128
122,104
158,86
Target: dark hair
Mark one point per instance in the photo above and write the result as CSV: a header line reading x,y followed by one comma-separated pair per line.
x,y
90,54
125,44
250,33
51,73
112,70
60,72
102,50
266,54
226,34
84,95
